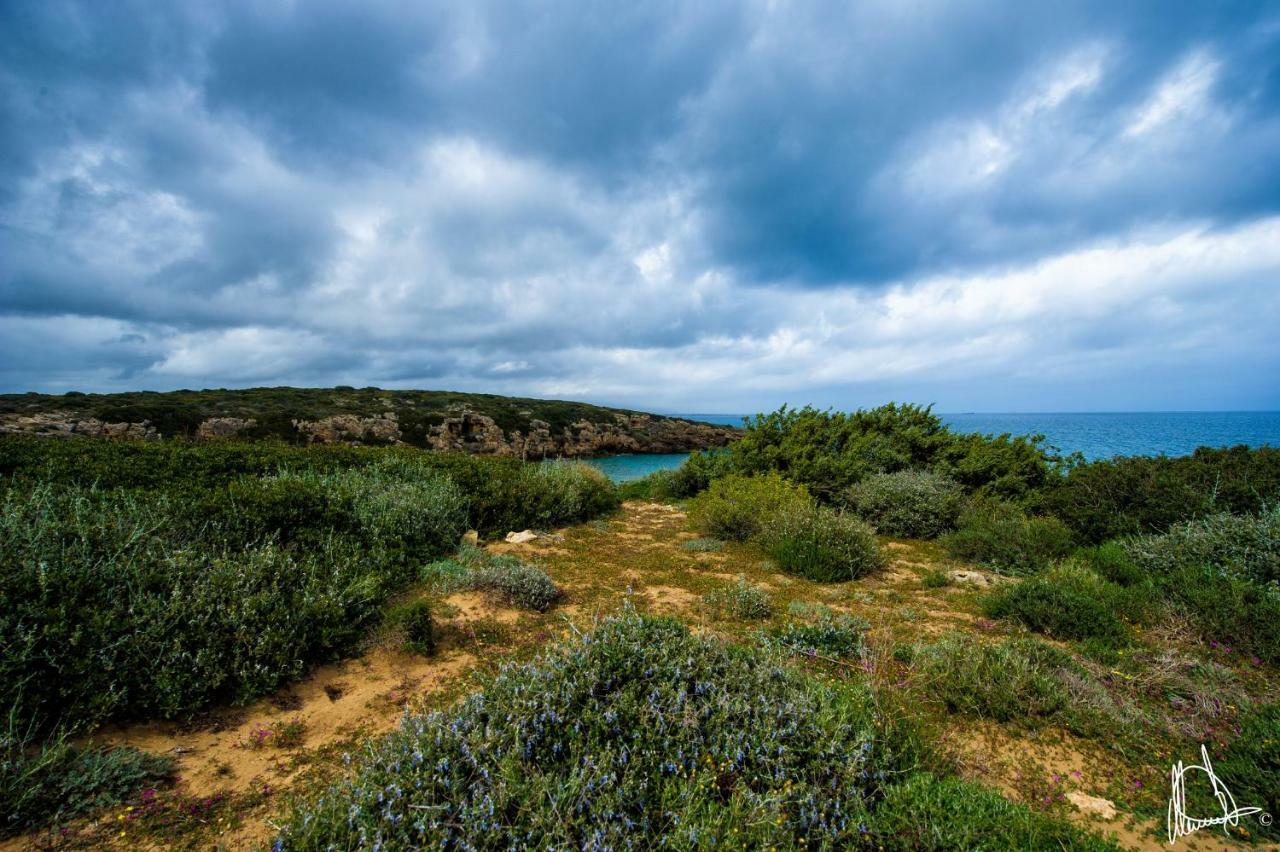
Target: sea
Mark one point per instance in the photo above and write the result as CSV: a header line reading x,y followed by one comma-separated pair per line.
x,y
1095,436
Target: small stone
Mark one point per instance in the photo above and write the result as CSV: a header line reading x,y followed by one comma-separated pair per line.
x,y
971,577
1092,804
523,537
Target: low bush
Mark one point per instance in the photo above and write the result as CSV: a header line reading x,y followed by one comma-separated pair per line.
x,y
738,507
935,814
413,619
1070,601
1246,547
637,733
521,584
517,582
822,545
1111,561
907,504
1226,609
1025,680
740,600
831,635
46,782
1003,537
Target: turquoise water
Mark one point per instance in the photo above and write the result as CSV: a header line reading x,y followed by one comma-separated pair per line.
x,y
1097,436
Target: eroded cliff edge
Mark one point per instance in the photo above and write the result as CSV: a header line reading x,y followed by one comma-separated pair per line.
x,y
437,420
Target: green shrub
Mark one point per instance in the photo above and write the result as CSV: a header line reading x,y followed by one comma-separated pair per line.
x,y
516,581
935,578
1111,561
413,619
102,614
738,507
637,733
822,545
1222,571
1228,610
49,782
703,545
907,504
1070,601
740,600
1140,495
829,451
831,635
1243,546
1002,537
930,813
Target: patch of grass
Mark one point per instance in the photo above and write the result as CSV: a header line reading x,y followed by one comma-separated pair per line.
x,y
930,813
1023,680
740,600
822,545
1001,536
935,578
47,782
1249,767
703,545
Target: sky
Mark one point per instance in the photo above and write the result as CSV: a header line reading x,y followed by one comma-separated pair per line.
x,y
698,207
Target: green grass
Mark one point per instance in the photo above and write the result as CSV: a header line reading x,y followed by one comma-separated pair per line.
x,y
47,780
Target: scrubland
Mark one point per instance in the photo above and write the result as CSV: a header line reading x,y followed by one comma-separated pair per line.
x,y
844,631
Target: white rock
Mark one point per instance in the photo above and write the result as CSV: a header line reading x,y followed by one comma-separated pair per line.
x,y
523,537
1092,804
971,577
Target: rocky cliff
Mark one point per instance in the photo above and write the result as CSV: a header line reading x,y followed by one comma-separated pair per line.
x,y
457,427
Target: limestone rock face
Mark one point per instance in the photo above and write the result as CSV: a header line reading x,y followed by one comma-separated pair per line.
x,y
470,433
57,424
223,427
349,428
465,431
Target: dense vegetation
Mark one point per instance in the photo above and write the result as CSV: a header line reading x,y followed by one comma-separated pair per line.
x,y
151,580
180,413
641,734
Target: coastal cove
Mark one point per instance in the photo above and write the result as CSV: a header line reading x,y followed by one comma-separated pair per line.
x,y
1094,435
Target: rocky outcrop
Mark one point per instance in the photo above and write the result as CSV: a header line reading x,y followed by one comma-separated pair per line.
x,y
470,432
223,427
59,424
465,431
350,429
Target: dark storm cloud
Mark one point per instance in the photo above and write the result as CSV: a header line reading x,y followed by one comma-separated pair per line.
x,y
497,194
